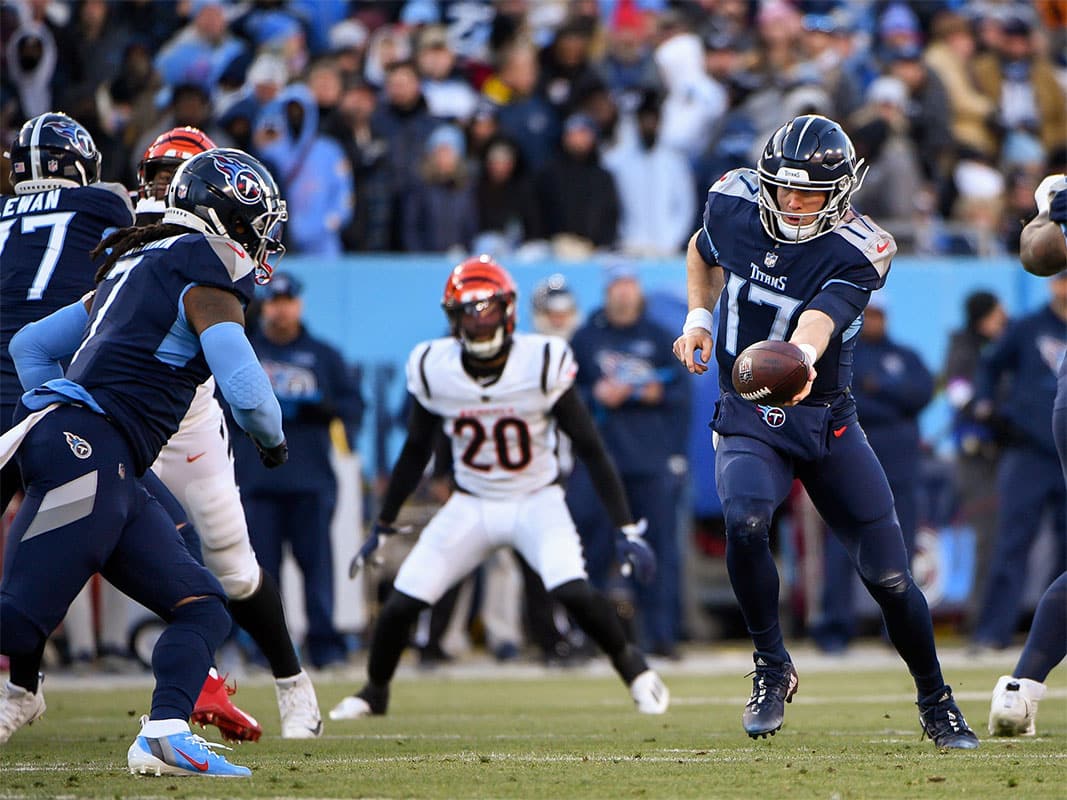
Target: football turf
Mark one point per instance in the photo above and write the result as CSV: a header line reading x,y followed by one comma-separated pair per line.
x,y
499,732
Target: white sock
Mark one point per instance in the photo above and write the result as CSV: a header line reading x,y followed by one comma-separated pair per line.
x,y
212,672
158,728
285,683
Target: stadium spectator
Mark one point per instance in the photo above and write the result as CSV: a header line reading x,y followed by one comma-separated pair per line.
x,y
508,206
822,37
929,112
448,95
347,43
893,188
1029,480
694,101
579,203
324,81
891,385
404,121
371,224
627,67
190,104
524,114
976,445
950,55
1022,85
655,188
440,209
294,503
389,45
898,28
90,50
266,77
312,168
30,61
565,64
639,399
201,50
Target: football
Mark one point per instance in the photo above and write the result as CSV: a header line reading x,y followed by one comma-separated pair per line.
x,y
770,372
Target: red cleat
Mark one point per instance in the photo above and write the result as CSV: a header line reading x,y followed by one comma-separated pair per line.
x,y
213,707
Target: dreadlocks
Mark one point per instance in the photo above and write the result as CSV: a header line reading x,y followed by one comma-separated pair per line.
x,y
123,240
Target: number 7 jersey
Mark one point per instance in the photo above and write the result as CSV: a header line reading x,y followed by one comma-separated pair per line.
x,y
503,435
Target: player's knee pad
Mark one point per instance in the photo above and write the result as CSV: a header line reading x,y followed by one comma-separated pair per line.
x,y
401,609
215,508
19,635
572,594
891,583
207,616
748,521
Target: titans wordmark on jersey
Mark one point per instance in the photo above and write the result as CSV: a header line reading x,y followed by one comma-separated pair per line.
x,y
45,239
503,435
769,284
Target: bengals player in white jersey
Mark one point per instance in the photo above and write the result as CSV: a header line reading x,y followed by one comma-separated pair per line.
x,y
501,398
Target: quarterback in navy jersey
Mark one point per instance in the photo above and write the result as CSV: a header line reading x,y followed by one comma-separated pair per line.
x,y
786,257
1013,711
167,314
59,212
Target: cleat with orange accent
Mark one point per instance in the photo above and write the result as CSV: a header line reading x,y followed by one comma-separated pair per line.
x,y
214,707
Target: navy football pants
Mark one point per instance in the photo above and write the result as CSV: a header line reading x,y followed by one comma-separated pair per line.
x,y
302,519
654,498
850,491
1029,483
86,512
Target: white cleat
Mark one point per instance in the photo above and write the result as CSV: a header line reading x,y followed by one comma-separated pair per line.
x,y
298,707
650,694
352,707
1013,711
18,707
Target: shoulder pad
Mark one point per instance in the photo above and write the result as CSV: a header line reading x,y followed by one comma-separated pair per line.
x,y
234,257
741,183
876,243
116,189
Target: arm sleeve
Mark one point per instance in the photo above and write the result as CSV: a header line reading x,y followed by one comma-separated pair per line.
x,y
407,472
39,347
575,421
842,302
243,382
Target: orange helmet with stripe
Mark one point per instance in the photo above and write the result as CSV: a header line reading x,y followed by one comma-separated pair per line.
x,y
168,151
480,303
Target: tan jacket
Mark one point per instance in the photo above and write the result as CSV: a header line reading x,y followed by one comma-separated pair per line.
x,y
970,107
1050,99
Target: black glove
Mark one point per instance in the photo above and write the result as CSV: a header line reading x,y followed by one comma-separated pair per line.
x,y
272,457
1057,209
634,554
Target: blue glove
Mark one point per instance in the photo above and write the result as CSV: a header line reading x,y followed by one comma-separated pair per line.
x,y
379,532
634,554
1057,210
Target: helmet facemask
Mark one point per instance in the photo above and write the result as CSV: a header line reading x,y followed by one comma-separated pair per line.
x,y
268,249
482,325
838,200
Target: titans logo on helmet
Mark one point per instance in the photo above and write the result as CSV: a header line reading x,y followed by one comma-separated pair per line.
x,y
244,182
75,134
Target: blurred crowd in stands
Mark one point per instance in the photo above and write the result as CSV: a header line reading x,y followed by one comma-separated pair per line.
x,y
561,127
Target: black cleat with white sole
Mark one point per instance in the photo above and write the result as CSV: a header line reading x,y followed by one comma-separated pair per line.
x,y
943,722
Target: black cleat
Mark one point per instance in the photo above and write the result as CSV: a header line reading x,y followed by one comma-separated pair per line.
x,y
942,720
773,685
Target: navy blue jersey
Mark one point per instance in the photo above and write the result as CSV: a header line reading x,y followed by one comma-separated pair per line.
x,y
769,284
139,358
45,239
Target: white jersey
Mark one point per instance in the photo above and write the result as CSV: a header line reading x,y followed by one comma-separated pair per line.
x,y
503,435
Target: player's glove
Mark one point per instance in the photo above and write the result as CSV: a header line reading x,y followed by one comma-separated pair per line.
x,y
272,457
379,532
634,554
1057,209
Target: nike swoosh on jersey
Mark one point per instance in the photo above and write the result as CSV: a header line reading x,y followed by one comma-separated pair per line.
x,y
191,459
200,765
881,248
839,432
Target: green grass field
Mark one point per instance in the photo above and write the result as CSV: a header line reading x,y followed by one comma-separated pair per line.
x,y
498,733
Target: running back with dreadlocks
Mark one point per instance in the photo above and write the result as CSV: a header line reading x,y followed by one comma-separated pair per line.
x,y
122,241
